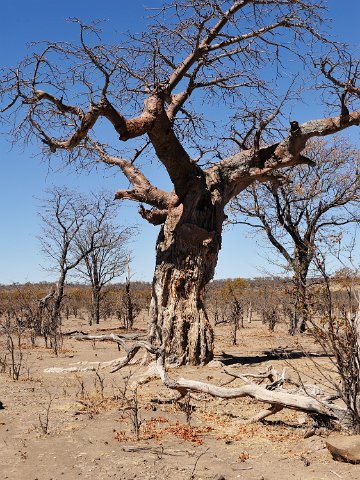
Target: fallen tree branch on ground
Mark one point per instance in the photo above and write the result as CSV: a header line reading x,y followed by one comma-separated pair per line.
x,y
115,364
315,404
281,398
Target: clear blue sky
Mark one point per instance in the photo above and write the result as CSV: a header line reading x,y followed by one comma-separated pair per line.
x,y
24,176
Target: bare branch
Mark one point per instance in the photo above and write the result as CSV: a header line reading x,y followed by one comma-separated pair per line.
x,y
143,190
154,216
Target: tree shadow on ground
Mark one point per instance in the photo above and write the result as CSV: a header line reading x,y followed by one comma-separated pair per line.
x,y
266,355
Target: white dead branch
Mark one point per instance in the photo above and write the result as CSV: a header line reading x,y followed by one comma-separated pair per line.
x,y
310,400
115,364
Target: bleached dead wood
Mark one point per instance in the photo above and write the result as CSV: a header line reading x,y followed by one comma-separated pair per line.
x,y
271,410
156,450
317,405
281,398
269,373
115,364
278,399
86,366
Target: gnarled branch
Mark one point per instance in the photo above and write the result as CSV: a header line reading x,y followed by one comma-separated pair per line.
x,y
143,190
242,169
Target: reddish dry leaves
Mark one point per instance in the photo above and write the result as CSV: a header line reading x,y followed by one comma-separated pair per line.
x,y
155,429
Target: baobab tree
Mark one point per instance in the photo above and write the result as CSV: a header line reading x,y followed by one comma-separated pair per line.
x,y
306,212
164,85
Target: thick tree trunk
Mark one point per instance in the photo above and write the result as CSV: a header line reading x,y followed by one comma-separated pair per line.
x,y
301,312
52,328
187,253
58,298
299,319
95,307
129,305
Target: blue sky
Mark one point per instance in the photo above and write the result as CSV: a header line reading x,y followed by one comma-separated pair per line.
x,y
24,176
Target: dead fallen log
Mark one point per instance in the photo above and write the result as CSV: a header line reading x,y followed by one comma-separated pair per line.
x,y
115,364
320,409
281,398
317,405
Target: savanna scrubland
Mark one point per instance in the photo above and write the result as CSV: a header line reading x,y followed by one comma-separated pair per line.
x,y
170,382
66,415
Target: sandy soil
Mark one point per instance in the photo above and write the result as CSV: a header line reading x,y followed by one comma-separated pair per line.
x,y
80,425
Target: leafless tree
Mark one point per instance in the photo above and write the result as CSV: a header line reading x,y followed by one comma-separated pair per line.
x,y
12,359
160,85
338,333
129,306
64,215
306,211
103,250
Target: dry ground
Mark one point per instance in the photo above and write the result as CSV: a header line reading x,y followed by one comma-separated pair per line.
x,y
89,431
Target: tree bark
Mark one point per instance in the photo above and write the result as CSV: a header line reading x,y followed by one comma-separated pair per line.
x,y
129,305
58,298
301,314
52,328
187,252
95,313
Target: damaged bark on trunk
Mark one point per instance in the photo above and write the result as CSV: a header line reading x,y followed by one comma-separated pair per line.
x,y
301,312
187,252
